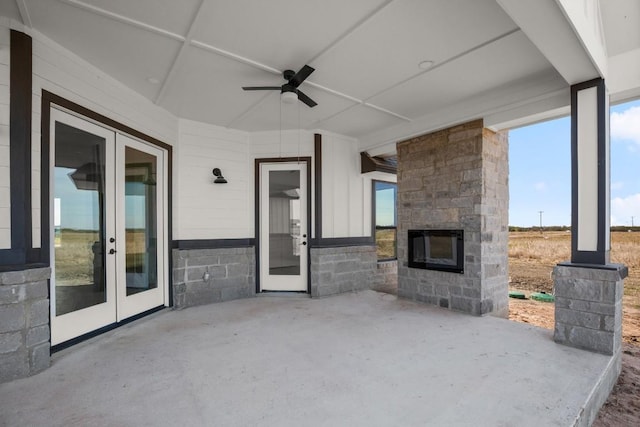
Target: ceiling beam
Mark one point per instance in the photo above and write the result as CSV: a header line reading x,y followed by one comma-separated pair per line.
x,y
545,90
24,13
544,22
177,60
124,19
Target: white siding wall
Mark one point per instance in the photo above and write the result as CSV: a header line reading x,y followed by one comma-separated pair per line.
x,y
205,210
61,72
346,194
5,201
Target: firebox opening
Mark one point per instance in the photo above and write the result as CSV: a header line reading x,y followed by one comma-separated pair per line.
x,y
441,250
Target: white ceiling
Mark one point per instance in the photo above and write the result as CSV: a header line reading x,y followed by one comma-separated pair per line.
x,y
366,54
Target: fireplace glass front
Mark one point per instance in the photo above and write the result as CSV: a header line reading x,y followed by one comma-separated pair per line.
x,y
441,250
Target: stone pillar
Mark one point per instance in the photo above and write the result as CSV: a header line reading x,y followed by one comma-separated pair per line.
x,y
457,178
589,307
24,323
589,289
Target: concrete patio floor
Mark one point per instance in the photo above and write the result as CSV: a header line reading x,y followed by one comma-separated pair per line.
x,y
360,359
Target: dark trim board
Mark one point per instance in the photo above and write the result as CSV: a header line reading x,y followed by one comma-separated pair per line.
x,y
317,165
256,173
341,242
213,243
21,253
601,255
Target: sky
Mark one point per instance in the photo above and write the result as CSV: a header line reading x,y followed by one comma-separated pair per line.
x,y
540,170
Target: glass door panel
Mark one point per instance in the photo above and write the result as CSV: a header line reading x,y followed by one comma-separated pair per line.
x,y
283,227
83,282
140,172
284,223
141,225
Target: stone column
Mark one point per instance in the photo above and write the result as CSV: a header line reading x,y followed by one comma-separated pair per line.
x,y
588,312
457,178
24,323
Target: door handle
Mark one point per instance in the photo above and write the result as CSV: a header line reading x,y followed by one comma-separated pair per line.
x,y
303,243
112,251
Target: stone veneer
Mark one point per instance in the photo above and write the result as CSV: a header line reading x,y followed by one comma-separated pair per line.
x,y
231,274
588,306
336,270
24,323
457,178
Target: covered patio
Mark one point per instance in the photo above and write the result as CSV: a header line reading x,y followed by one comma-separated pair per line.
x,y
362,358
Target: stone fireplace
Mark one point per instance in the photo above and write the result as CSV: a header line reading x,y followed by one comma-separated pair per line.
x,y
453,191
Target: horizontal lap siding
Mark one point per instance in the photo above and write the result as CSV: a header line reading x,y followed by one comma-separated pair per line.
x,y
205,210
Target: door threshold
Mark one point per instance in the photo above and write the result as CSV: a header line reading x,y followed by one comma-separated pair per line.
x,y
288,294
85,337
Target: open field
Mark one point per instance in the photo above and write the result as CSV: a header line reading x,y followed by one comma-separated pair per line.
x,y
532,256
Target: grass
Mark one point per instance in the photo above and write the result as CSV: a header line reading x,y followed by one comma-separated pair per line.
x,y
386,243
531,253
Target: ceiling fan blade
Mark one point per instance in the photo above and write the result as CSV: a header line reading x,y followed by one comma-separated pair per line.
x,y
301,75
261,87
304,98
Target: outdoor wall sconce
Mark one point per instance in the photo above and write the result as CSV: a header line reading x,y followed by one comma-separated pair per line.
x,y
219,178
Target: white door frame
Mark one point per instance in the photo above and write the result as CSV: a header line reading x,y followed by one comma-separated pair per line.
x,y
79,322
118,305
292,283
130,305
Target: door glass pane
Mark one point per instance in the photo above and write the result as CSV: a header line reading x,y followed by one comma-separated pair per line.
x,y
79,239
284,223
141,226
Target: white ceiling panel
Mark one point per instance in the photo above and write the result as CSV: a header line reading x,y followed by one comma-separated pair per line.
x,y
621,22
127,53
364,52
497,64
170,15
267,113
208,87
359,120
10,10
279,33
388,48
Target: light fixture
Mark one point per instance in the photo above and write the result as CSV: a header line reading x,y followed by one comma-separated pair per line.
x,y
425,65
219,178
288,96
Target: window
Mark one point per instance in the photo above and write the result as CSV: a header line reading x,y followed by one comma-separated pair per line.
x,y
385,219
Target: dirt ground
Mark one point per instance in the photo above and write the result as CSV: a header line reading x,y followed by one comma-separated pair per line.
x,y
532,273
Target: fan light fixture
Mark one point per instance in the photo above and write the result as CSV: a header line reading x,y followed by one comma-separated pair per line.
x,y
288,97
289,92
219,178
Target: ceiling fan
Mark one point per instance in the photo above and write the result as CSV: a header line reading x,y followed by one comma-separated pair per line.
x,y
289,91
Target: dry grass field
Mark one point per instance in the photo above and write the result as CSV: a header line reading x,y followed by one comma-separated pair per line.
x,y
532,256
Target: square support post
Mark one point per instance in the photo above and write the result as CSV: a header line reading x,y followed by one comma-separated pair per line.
x,y
588,290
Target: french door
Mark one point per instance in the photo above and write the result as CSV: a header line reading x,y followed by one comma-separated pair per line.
x,y
109,234
283,226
